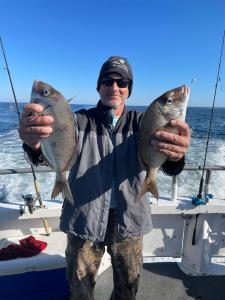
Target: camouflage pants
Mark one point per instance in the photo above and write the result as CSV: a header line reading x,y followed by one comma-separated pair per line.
x,y
84,258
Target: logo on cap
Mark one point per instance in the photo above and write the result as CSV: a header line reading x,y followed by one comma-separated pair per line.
x,y
121,61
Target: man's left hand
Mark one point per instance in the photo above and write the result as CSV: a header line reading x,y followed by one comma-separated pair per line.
x,y
171,144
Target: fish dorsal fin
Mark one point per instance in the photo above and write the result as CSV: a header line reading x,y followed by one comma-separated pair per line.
x,y
70,99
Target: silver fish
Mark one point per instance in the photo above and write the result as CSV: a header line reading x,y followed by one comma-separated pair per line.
x,y
169,106
60,148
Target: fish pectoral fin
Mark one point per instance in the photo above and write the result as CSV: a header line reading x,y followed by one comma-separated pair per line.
x,y
47,161
62,187
149,185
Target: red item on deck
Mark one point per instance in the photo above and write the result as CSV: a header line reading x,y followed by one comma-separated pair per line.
x,y
28,247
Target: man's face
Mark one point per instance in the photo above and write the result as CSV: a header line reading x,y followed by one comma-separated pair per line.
x,y
114,90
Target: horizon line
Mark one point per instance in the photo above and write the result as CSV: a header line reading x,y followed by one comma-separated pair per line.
x,y
89,104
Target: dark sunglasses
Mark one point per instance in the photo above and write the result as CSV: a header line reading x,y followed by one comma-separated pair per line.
x,y
121,83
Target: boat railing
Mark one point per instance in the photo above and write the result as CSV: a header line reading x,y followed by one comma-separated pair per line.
x,y
174,188
208,175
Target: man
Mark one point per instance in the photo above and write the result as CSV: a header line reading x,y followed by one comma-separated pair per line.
x,y
105,182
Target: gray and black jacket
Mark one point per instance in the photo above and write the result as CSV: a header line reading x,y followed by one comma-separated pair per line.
x,y
107,154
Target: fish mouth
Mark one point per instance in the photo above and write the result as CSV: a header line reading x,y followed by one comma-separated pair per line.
x,y
183,108
184,94
185,91
34,93
35,83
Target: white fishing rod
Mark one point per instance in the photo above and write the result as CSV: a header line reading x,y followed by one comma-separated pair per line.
x,y
36,185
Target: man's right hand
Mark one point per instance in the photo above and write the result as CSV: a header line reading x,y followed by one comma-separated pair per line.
x,y
33,126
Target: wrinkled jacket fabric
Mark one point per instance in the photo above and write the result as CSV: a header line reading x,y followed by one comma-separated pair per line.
x,y
106,153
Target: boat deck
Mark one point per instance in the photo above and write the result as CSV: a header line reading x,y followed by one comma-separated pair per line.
x,y
169,241
165,281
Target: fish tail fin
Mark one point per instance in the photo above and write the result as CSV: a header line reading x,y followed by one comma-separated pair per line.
x,y
56,190
63,187
149,185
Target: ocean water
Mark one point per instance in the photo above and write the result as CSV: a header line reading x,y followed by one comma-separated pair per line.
x,y
12,187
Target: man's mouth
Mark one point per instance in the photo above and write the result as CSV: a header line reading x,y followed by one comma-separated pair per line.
x,y
111,96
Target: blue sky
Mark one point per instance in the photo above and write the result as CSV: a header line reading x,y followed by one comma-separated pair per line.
x,y
64,43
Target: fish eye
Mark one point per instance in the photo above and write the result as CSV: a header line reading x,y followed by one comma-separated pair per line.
x,y
46,92
169,101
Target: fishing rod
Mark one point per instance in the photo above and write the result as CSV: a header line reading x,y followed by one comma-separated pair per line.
x,y
36,185
199,196
197,200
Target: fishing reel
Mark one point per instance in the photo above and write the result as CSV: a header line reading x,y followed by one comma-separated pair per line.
x,y
29,201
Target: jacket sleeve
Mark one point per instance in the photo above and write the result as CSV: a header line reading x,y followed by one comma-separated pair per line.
x,y
173,168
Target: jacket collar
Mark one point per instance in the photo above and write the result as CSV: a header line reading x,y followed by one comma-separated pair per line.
x,y
106,114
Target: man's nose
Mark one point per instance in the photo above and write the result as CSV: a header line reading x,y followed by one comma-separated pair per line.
x,y
115,86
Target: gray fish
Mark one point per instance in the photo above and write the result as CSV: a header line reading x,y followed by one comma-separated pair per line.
x,y
169,106
60,148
